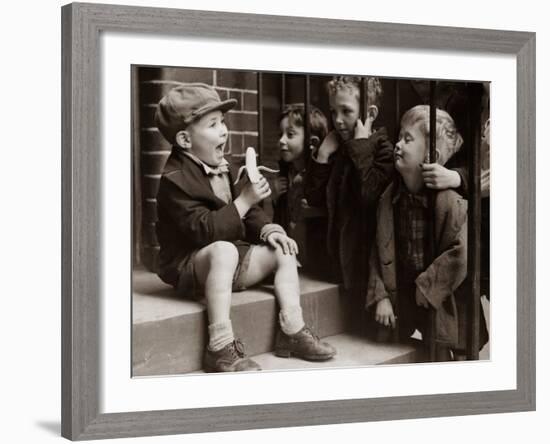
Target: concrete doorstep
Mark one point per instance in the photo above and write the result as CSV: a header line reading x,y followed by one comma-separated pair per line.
x,y
351,351
169,334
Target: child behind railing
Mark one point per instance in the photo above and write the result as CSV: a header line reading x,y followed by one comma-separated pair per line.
x,y
352,167
288,198
404,272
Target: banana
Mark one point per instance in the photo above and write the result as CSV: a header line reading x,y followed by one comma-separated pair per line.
x,y
251,168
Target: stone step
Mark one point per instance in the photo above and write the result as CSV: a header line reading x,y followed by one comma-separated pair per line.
x,y
169,334
352,351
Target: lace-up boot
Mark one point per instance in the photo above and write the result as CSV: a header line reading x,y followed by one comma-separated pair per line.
x,y
231,358
303,344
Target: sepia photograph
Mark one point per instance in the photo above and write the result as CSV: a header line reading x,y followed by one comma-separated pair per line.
x,y
295,221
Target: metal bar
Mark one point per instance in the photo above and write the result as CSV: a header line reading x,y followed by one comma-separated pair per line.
x,y
396,336
307,128
363,100
362,210
283,92
260,125
431,219
397,104
472,139
396,226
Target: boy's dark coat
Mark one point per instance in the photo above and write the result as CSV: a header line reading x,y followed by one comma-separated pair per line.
x,y
350,186
190,216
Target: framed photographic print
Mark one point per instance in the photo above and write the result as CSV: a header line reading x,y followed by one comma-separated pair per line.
x,y
170,259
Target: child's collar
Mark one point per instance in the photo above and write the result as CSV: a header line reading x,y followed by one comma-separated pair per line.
x,y
400,190
222,168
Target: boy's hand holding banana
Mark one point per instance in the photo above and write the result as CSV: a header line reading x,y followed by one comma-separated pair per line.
x,y
257,188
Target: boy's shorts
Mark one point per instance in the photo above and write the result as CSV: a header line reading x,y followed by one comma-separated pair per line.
x,y
189,287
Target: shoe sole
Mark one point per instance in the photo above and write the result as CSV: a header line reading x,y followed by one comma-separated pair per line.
x,y
214,370
209,370
315,358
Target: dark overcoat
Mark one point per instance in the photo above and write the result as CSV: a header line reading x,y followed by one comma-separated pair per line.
x,y
349,186
191,216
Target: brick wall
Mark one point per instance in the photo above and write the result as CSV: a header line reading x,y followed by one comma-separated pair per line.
x,y
151,150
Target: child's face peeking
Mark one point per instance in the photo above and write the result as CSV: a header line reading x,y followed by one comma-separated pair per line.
x,y
411,149
291,142
344,108
207,137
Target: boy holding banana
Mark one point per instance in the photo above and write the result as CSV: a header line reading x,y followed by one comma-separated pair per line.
x,y
213,242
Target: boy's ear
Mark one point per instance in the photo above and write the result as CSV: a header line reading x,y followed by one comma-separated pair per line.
x,y
372,112
314,142
183,140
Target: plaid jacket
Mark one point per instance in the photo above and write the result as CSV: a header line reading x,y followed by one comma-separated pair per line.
x,y
411,248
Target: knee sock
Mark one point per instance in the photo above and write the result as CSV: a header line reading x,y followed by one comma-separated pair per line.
x,y
220,335
291,319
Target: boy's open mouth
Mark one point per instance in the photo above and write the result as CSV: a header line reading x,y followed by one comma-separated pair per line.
x,y
220,147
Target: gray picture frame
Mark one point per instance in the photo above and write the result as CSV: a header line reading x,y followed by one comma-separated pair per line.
x,y
81,231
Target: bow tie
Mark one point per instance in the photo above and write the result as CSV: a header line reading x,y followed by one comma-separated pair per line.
x,y
218,171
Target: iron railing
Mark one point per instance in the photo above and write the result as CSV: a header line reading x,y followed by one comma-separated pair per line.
x,y
472,142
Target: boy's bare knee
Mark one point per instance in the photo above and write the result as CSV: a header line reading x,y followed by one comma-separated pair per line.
x,y
223,254
284,259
